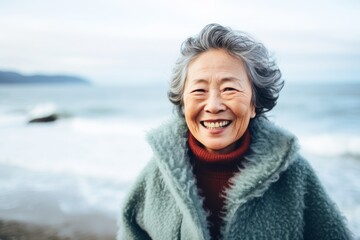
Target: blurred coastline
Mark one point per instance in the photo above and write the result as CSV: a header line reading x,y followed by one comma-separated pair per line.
x,y
66,179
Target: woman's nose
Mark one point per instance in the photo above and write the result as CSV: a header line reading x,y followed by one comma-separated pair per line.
x,y
214,103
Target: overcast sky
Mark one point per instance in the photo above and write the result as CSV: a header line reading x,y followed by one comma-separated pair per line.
x,y
116,42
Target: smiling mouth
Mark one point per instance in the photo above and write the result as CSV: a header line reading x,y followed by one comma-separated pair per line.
x,y
216,124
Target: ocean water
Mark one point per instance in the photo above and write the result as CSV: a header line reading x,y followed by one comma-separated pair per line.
x,y
86,161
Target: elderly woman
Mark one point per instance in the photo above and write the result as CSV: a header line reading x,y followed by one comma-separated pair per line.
x,y
221,170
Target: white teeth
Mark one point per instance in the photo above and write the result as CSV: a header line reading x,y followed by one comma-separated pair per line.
x,y
219,124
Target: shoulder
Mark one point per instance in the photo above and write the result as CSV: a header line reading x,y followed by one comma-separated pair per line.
x,y
148,176
301,169
142,191
148,181
137,187
301,175
262,129
175,127
270,139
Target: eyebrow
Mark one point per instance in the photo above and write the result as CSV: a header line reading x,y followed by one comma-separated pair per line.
x,y
222,80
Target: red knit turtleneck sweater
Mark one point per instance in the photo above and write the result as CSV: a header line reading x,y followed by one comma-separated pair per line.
x,y
212,172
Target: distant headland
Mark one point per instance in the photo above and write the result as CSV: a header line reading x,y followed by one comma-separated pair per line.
x,y
8,77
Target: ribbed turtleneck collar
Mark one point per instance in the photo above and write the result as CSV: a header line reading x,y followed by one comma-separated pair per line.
x,y
203,157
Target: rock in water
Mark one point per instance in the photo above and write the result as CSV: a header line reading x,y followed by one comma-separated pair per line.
x,y
43,113
50,118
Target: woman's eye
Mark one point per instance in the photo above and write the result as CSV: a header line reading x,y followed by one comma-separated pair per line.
x,y
229,89
198,90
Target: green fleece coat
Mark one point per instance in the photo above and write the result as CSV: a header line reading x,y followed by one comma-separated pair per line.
x,y
276,196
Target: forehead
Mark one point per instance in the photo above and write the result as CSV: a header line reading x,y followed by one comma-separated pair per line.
x,y
216,64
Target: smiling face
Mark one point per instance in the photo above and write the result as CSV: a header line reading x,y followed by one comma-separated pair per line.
x,y
217,100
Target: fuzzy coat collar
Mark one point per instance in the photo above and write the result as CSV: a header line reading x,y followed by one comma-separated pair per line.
x,y
272,150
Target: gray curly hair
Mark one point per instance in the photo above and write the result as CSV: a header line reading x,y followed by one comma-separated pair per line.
x,y
263,73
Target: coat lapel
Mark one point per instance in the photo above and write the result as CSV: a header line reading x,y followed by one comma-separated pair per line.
x,y
169,143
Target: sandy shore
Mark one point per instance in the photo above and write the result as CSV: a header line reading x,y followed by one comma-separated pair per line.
x,y
34,215
24,224
12,230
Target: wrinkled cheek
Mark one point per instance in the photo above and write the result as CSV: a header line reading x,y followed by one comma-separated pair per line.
x,y
191,112
192,125
242,124
191,122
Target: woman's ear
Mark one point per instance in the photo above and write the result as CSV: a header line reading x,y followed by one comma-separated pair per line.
x,y
253,111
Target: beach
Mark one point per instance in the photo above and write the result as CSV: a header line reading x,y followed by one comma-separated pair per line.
x,y
38,215
29,231
90,226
